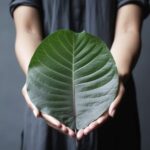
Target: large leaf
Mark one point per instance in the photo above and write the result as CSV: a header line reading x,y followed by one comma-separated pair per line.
x,y
72,77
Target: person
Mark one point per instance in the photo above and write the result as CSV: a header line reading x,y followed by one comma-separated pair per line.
x,y
118,23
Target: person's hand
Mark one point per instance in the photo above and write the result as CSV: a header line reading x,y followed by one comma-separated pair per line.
x,y
109,113
51,121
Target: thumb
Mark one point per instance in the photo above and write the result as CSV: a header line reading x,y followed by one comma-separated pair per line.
x,y
36,112
116,102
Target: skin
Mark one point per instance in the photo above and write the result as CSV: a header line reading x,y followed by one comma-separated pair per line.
x,y
125,50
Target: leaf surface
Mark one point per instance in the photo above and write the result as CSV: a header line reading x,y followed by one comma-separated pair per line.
x,y
72,77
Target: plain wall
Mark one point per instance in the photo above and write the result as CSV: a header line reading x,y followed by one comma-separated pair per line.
x,y
12,79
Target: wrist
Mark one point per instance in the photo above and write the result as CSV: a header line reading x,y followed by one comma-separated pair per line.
x,y
124,67
124,74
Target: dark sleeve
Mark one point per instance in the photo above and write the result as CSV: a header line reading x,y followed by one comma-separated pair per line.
x,y
144,4
15,3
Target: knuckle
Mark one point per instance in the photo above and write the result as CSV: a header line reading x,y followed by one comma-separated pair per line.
x,y
58,125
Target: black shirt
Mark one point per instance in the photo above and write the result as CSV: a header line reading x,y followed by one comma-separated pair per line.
x,y
93,16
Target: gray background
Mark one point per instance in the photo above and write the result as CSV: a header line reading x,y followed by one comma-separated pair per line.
x,y
12,79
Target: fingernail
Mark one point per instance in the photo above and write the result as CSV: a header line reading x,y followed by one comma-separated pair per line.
x,y
113,113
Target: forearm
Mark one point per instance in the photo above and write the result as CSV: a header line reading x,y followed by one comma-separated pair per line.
x,y
28,34
127,40
125,50
26,44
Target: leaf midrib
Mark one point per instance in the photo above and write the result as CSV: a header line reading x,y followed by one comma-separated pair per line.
x,y
73,88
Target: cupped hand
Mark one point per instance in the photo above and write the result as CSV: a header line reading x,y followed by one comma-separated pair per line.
x,y
54,123
109,113
51,121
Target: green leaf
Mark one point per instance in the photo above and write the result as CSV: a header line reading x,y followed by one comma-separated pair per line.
x,y
72,77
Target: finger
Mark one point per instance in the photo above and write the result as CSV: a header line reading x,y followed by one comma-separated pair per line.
x,y
103,118
36,112
116,102
64,129
86,130
80,134
71,133
51,125
52,121
91,127
96,123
